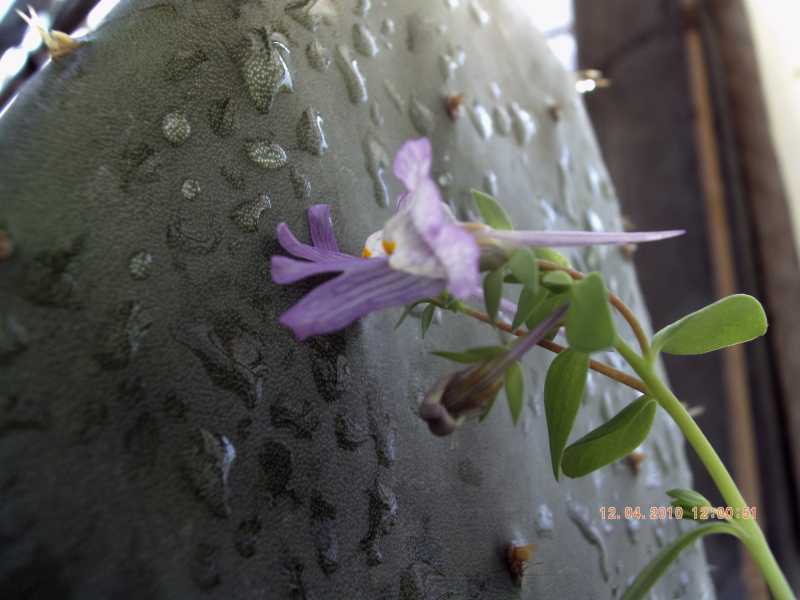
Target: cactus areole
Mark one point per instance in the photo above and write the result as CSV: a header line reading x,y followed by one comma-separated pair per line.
x,y
163,436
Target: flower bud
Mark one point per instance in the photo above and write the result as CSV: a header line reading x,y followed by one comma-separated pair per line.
x,y
460,395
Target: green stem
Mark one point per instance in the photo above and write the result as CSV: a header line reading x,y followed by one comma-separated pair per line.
x,y
752,536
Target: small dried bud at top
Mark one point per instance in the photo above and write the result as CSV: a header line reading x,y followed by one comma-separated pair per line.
x,y
634,461
517,558
6,245
453,104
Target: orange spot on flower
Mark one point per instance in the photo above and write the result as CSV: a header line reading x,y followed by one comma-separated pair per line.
x,y
388,246
365,253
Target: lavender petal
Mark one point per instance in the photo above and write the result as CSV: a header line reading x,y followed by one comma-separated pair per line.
x,y
459,253
297,248
321,226
412,163
554,239
363,289
288,270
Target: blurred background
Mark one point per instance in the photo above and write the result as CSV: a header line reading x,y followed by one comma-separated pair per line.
x,y
696,106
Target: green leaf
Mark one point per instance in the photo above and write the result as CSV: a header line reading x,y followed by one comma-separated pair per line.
x,y
611,441
493,214
493,291
473,355
687,500
515,386
407,311
487,409
553,256
427,318
563,389
557,281
526,304
730,321
590,326
545,308
524,267
650,574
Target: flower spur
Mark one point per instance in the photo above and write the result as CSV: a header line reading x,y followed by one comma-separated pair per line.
x,y
422,251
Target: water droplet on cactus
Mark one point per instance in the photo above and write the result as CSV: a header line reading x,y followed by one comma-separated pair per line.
x,y
375,114
421,33
579,515
298,416
382,517
632,526
481,120
451,60
247,215
276,463
319,57
221,116
479,14
490,183
265,73
204,568
310,13
300,184
323,517
190,189
377,160
362,8
310,133
140,265
207,465
267,155
421,116
544,521
550,214
470,473
388,27
354,80
364,41
523,124
394,96
176,128
13,338
246,536
502,120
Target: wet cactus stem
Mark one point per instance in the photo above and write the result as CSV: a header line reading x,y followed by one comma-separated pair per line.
x,y
652,385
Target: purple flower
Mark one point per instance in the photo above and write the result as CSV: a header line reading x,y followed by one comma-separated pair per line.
x,y
422,251
364,285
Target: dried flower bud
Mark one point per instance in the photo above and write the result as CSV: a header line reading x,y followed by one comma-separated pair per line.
x,y
458,396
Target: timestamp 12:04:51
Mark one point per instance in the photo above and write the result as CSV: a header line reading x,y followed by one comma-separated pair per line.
x,y
662,513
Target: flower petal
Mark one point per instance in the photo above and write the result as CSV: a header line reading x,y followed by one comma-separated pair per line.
x,y
459,253
321,226
297,248
412,252
577,238
288,270
427,210
363,289
413,162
